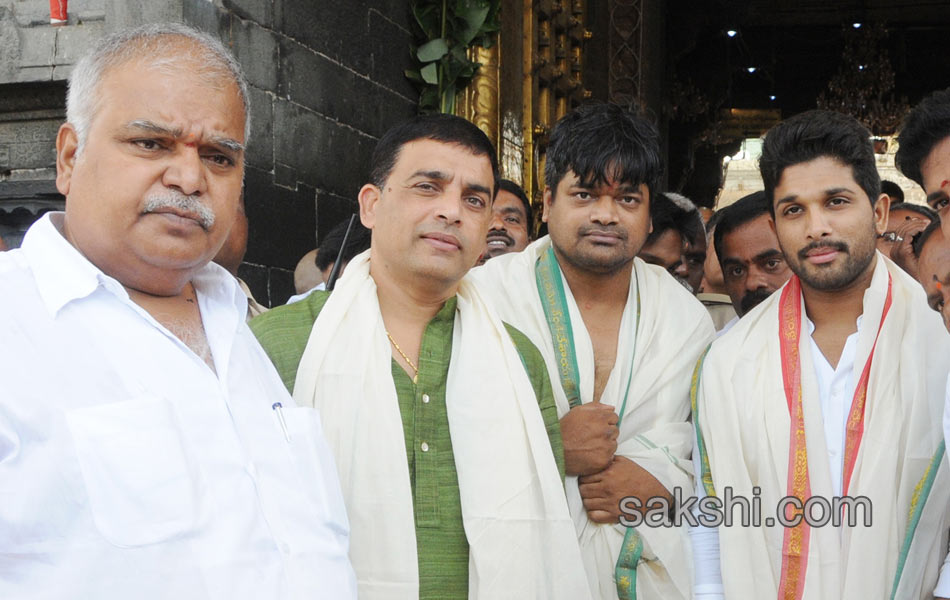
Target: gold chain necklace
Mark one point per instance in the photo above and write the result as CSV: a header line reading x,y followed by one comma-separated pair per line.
x,y
415,369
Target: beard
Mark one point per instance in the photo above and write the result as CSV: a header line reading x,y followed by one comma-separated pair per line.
x,y
832,276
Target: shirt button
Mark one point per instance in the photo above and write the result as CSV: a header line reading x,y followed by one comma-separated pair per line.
x,y
425,447
425,398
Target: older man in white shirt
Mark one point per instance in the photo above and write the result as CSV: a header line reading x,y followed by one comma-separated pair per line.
x,y
148,449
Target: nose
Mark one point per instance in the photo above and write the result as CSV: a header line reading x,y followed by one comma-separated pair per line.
x,y
604,211
497,223
680,268
450,206
817,224
186,172
756,279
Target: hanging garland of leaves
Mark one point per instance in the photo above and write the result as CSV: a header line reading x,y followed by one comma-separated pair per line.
x,y
444,30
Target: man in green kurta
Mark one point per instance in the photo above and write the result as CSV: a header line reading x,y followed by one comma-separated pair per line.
x,y
405,356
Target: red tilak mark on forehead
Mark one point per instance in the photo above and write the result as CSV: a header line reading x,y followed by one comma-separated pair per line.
x,y
190,140
938,284
944,183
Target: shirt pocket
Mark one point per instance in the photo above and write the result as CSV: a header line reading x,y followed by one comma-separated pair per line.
x,y
141,485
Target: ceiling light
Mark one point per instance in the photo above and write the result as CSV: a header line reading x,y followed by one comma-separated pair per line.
x,y
856,25
731,33
750,69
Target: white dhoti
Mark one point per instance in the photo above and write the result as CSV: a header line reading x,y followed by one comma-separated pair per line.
x,y
663,331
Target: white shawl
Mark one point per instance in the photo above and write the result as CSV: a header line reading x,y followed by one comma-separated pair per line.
x,y
514,511
674,329
743,416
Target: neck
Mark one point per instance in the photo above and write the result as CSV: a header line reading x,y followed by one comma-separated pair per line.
x,y
840,307
596,288
404,305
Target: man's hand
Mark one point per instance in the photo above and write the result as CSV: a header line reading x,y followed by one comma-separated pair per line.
x,y
590,435
602,492
901,251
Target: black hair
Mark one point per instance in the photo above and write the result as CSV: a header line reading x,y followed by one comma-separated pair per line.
x,y
924,127
604,142
815,134
444,128
667,214
713,221
918,244
737,214
513,188
330,245
894,191
924,211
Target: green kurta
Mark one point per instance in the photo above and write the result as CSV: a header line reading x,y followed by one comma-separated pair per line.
x,y
440,538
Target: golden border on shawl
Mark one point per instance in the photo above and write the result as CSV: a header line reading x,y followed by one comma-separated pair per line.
x,y
706,472
795,543
554,303
796,539
625,572
917,503
855,424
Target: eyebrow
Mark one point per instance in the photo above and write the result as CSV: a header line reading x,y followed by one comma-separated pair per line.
x,y
177,132
767,254
935,196
828,192
512,210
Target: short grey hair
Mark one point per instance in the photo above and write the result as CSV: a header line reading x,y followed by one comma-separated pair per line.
x,y
149,43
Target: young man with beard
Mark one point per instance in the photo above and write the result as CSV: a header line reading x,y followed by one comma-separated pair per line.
x,y
752,263
620,339
440,416
832,387
923,153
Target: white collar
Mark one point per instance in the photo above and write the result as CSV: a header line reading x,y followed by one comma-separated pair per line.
x,y
63,274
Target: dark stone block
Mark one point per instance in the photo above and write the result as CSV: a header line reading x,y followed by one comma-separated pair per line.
x,y
397,11
282,221
256,50
281,285
260,148
321,27
259,11
285,176
390,47
255,276
207,17
333,210
325,154
317,83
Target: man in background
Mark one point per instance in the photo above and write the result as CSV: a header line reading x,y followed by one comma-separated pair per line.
x,y
753,265
512,221
713,292
329,251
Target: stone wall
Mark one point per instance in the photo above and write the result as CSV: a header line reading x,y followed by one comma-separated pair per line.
x,y
326,81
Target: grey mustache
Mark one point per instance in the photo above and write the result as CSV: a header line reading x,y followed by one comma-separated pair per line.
x,y
183,203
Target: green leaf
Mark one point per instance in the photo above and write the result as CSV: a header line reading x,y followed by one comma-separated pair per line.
x,y
474,18
432,50
430,74
413,75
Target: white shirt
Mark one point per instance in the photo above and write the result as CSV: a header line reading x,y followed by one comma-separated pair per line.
x,y
320,287
129,469
835,392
